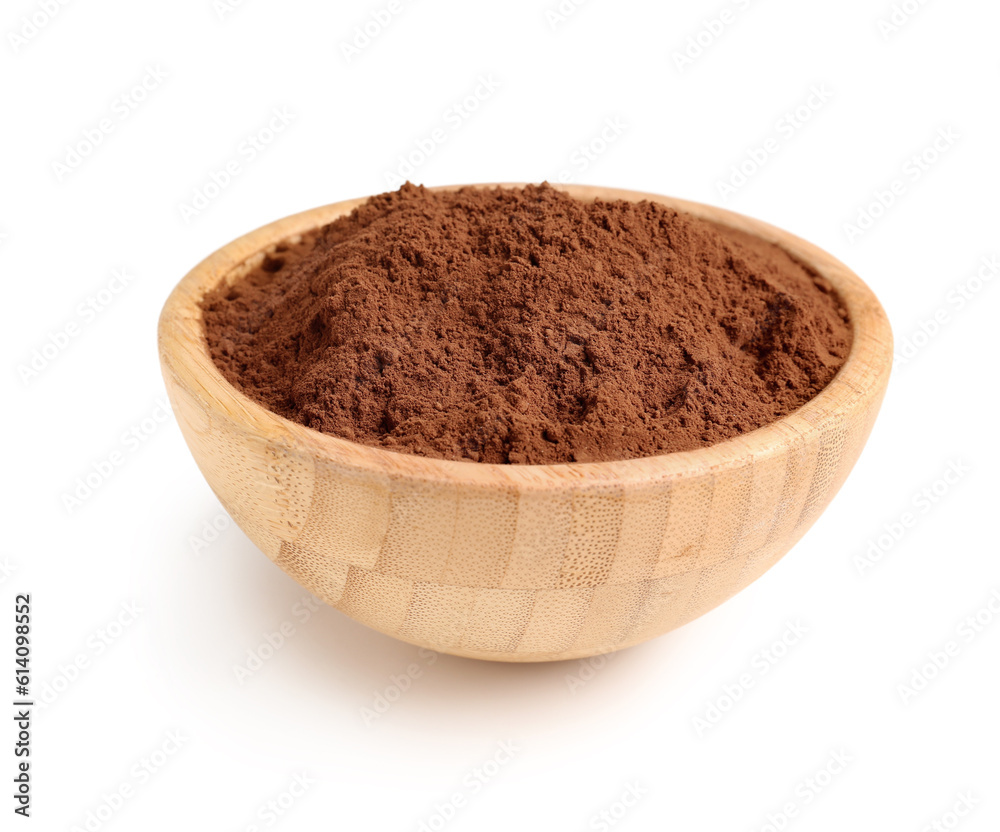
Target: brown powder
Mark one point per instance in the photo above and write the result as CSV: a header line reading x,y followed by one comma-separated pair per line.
x,y
525,326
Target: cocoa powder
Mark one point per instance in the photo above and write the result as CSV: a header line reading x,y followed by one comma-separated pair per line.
x,y
525,326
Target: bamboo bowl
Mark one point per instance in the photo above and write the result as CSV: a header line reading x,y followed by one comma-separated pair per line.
x,y
520,562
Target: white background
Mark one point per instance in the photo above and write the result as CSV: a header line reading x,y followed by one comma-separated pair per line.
x,y
582,734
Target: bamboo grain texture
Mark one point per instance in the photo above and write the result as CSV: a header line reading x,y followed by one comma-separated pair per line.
x,y
517,562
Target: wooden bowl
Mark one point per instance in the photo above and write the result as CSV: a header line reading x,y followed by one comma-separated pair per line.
x,y
520,562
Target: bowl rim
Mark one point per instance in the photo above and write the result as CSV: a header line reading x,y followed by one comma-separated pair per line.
x,y
185,360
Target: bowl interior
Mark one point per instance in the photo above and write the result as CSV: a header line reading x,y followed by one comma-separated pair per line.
x,y
185,354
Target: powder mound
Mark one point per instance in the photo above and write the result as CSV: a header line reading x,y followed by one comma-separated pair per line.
x,y
525,326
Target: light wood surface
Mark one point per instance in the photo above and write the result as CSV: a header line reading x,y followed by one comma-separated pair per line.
x,y
520,562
